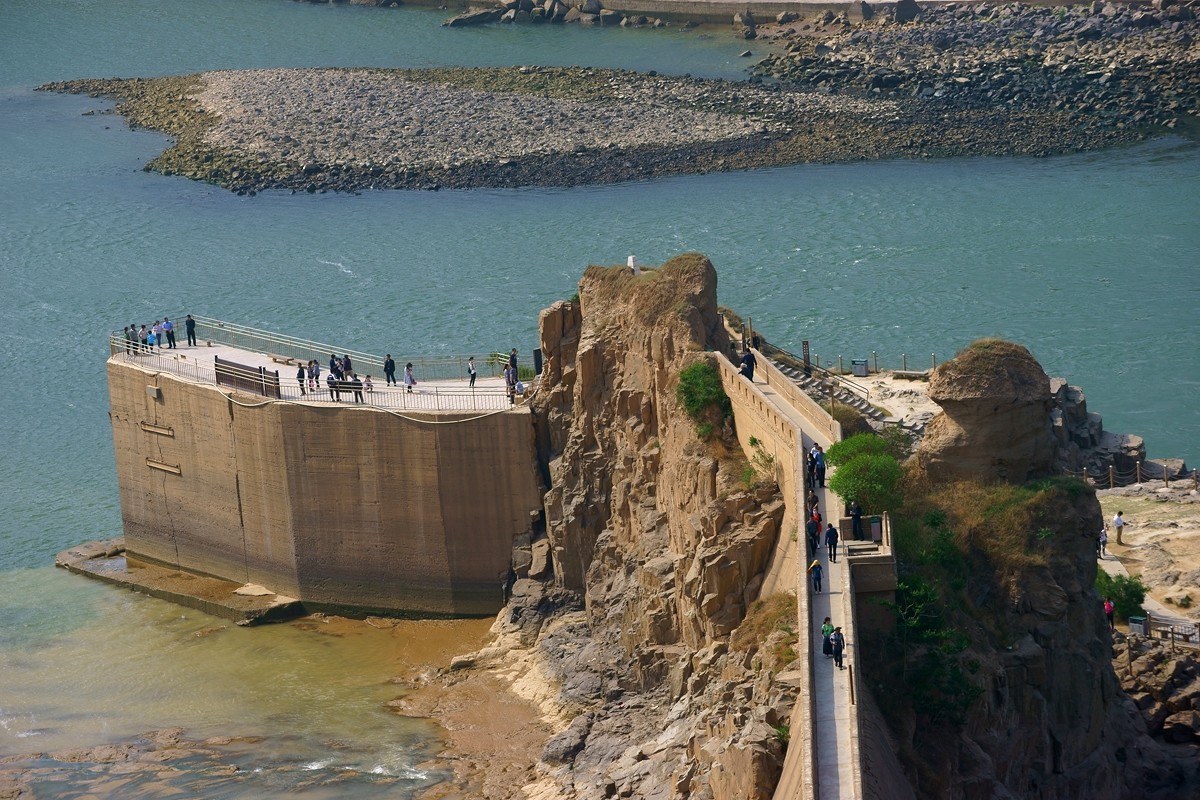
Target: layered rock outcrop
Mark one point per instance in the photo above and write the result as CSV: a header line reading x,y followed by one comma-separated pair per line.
x,y
1016,576
651,526
994,424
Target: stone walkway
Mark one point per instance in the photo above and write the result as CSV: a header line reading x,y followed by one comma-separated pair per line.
x,y
832,710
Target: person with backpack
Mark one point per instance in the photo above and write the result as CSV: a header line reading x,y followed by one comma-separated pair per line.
x,y
838,642
471,372
1109,609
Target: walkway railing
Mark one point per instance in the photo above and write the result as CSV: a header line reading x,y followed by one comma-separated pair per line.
x,y
449,367
425,398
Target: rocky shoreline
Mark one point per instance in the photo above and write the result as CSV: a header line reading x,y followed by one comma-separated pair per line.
x,y
975,80
1102,64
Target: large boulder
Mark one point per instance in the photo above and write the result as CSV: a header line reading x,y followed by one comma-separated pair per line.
x,y
995,422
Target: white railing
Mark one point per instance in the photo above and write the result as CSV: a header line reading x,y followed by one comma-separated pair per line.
x,y
423,398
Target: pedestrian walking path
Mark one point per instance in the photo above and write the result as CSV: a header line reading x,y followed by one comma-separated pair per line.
x,y
831,687
831,712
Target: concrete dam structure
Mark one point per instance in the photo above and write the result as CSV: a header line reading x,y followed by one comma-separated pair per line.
x,y
355,507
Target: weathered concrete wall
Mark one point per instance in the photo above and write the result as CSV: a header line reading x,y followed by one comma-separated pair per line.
x,y
349,507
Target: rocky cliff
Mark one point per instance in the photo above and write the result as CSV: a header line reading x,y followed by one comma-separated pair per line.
x,y
1018,697
656,551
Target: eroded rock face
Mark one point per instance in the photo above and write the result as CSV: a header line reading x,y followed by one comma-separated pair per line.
x,y
647,522
995,422
1052,720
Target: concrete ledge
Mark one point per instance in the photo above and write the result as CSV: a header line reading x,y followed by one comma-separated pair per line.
x,y
106,561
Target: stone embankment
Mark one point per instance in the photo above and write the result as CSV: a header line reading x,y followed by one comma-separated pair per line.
x,y
1100,63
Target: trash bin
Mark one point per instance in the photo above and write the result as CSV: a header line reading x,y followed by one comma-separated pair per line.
x,y
858,366
876,528
1138,625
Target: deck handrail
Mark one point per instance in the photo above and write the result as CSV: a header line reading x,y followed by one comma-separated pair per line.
x,y
244,337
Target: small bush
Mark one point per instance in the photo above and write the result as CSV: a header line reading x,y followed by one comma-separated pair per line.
x,y
872,479
1127,593
704,430
845,451
700,391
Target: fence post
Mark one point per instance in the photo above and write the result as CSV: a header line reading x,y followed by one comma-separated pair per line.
x,y
841,371
1112,481
933,360
1138,471
903,362
875,361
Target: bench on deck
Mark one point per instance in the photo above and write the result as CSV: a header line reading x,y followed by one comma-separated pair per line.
x,y
291,362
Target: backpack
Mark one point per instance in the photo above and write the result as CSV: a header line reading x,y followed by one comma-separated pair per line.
x,y
1108,607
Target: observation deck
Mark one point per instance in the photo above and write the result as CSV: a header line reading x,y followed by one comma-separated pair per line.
x,y
263,363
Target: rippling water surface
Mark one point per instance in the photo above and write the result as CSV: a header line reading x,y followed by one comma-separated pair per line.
x,y
1091,261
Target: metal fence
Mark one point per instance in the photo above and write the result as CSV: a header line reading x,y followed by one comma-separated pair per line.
x,y
423,398
449,367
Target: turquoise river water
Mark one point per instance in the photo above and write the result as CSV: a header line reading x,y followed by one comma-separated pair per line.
x,y
1089,260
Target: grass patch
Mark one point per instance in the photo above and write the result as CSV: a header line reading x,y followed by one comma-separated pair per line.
x,y
767,616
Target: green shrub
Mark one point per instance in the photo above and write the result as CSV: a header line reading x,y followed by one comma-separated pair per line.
x,y
847,450
700,391
1127,593
873,479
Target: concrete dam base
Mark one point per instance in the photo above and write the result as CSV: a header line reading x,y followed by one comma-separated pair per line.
x,y
348,508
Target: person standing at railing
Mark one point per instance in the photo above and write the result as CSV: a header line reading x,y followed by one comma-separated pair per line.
x,y
143,339
314,375
856,528
335,367
169,330
347,365
152,339
471,372
301,377
128,341
409,380
189,326
333,382
357,386
389,370
749,362
158,333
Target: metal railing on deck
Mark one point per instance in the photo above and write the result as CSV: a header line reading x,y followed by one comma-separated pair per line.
x,y
423,398
448,367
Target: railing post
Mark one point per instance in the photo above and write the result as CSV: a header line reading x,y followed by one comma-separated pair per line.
x,y
1112,479
841,371
1138,471
933,360
875,361
903,362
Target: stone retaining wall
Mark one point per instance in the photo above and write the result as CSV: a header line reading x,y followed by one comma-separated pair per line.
x,y
342,508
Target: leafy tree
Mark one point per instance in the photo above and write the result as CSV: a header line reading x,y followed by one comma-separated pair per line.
x,y
860,444
873,479
1127,593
